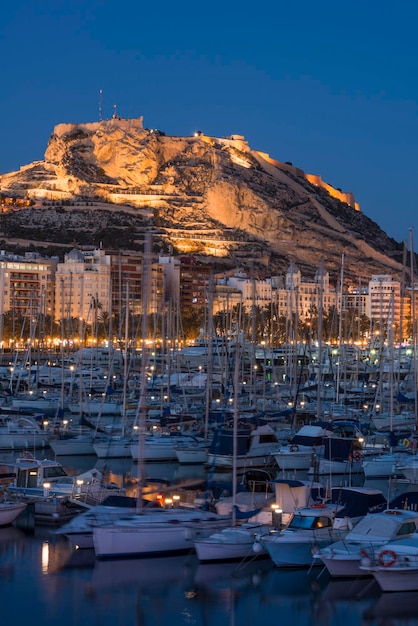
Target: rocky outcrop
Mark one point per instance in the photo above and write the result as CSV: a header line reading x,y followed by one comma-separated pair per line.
x,y
207,195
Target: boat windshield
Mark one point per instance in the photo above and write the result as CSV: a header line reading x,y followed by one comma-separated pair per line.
x,y
309,522
54,472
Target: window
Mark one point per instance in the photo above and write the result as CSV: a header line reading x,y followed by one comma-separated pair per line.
x,y
406,529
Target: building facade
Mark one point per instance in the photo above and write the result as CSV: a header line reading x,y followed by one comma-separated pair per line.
x,y
82,287
27,283
384,301
303,297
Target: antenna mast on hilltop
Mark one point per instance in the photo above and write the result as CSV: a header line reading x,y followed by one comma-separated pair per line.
x,y
100,103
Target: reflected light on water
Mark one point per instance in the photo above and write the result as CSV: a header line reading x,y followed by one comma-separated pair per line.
x,y
45,557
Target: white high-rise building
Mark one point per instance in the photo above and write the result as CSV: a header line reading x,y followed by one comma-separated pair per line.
x,y
254,291
384,302
82,285
27,283
302,297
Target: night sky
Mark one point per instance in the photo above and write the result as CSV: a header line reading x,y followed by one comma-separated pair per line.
x,y
331,87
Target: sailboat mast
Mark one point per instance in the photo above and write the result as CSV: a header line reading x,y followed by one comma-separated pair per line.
x,y
125,362
143,389
414,329
391,318
235,433
209,364
320,319
340,321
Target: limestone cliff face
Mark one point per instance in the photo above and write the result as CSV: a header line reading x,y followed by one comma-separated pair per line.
x,y
208,195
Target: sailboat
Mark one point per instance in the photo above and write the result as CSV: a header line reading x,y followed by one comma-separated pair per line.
x,y
236,542
9,511
118,444
343,451
388,463
151,532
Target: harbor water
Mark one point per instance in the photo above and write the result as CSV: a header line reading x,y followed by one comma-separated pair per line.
x,y
44,580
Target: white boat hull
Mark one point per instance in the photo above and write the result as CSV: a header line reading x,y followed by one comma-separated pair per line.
x,y
385,422
158,448
95,408
342,566
153,536
191,456
397,578
293,460
41,405
113,449
329,467
9,511
231,544
23,441
226,461
295,553
379,467
23,432
72,447
410,472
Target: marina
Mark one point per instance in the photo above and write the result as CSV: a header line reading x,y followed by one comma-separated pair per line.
x,y
208,317
73,586
188,502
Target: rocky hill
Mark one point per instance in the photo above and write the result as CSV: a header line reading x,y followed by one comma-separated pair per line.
x,y
218,198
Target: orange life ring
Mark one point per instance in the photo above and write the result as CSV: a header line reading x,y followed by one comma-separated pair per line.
x,y
294,447
386,562
364,554
356,456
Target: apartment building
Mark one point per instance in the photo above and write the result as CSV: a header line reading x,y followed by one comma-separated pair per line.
x,y
82,286
27,283
384,301
301,297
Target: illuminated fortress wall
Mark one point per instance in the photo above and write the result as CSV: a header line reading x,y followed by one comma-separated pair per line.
x,y
63,129
342,196
346,197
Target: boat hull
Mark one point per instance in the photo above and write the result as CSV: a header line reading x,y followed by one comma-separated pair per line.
x,y
295,553
210,552
154,536
343,566
326,466
24,441
191,456
162,448
112,449
9,511
226,461
72,447
397,578
293,460
232,544
379,468
410,472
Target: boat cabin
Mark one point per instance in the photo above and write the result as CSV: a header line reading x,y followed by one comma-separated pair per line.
x,y
33,473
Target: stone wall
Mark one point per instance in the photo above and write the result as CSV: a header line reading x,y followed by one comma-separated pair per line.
x,y
342,196
125,124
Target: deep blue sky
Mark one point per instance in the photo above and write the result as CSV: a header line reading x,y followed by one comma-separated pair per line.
x,y
331,87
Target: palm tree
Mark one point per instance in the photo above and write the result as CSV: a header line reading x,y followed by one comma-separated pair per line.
x,y
192,321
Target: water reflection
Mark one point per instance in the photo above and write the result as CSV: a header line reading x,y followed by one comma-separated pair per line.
x,y
393,609
67,586
154,575
41,574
